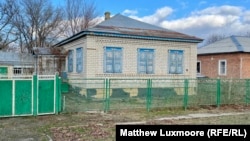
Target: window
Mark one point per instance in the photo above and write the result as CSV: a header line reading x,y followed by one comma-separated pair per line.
x,y
175,61
79,60
112,60
222,67
145,63
28,70
21,70
198,67
70,61
17,71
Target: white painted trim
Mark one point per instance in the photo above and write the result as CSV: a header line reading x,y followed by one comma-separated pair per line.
x,y
32,96
54,93
219,66
13,97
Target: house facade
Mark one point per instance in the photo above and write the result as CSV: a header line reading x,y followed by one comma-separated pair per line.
x,y
121,47
226,58
124,48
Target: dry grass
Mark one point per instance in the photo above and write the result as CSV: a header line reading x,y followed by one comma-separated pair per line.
x,y
101,126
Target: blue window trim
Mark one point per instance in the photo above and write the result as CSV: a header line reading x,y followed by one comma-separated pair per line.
x,y
145,60
113,58
79,60
175,61
70,61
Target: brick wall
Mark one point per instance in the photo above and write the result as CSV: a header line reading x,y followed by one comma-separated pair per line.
x,y
93,46
238,65
95,56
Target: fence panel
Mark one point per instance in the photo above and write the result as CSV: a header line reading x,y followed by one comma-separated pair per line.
x,y
205,92
46,97
167,93
127,93
233,91
85,95
5,97
115,94
23,97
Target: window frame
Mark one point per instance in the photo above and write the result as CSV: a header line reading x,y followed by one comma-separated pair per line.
x,y
176,63
220,65
17,70
71,61
79,59
147,52
114,63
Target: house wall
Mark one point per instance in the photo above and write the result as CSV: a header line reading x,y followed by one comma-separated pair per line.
x,y
245,65
95,51
93,56
11,72
238,65
72,46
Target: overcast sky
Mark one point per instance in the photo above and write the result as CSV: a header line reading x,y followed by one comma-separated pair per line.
x,y
199,18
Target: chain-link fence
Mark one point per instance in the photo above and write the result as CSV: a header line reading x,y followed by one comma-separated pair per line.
x,y
116,94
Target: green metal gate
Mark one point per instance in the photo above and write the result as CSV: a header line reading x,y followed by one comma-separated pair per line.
x,y
37,95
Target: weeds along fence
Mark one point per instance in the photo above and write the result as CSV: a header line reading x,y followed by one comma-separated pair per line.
x,y
116,94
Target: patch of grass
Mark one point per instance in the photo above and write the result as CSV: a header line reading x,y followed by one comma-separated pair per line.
x,y
101,126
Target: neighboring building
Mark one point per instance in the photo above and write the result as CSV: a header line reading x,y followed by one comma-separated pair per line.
x,y
49,61
121,47
226,58
16,64
43,61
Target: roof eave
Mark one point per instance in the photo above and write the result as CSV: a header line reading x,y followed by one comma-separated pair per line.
x,y
110,34
213,53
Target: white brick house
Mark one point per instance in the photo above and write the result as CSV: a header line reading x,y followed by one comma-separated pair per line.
x,y
121,47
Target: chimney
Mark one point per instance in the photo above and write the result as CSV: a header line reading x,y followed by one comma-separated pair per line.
x,y
107,15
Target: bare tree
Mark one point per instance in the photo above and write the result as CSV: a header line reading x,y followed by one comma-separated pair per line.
x,y
80,14
37,23
7,12
213,38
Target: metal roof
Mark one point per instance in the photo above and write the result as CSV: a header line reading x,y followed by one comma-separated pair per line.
x,y
228,45
125,27
127,23
11,58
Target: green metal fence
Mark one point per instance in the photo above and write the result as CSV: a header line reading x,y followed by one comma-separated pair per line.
x,y
33,95
117,94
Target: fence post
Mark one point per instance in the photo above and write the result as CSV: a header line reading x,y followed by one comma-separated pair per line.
x,y
58,94
185,102
149,94
218,95
107,94
247,91
35,90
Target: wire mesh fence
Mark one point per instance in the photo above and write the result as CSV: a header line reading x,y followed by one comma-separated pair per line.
x,y
117,94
